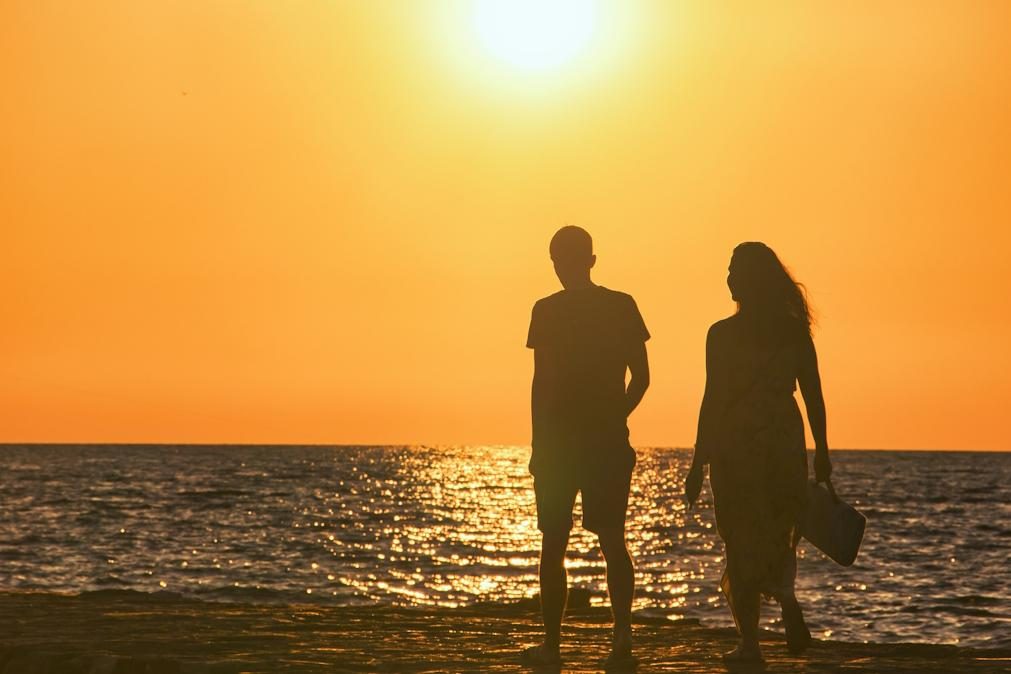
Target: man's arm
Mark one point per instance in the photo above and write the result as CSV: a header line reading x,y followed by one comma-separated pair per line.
x,y
638,366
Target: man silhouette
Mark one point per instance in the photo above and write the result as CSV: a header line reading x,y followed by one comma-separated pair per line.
x,y
584,339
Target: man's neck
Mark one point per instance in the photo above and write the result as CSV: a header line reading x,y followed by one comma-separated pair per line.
x,y
581,284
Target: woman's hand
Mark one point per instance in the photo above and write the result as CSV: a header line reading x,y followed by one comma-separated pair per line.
x,y
693,484
822,466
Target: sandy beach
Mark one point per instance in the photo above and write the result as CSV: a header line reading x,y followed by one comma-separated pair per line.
x,y
128,632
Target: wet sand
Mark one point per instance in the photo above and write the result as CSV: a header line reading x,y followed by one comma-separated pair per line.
x,y
127,632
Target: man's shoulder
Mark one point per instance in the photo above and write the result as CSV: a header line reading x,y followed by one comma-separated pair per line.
x,y
550,300
618,296
618,301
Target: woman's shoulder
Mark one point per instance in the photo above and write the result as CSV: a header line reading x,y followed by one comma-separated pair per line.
x,y
723,327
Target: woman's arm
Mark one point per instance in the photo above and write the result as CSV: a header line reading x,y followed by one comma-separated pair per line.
x,y
706,411
810,388
695,476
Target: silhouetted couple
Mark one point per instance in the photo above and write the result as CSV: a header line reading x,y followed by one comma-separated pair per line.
x,y
585,339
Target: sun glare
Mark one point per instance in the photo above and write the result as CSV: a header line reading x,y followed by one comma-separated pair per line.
x,y
535,34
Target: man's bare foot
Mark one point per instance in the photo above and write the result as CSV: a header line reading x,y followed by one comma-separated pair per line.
x,y
621,650
541,655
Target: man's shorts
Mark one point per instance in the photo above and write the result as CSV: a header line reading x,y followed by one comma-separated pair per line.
x,y
605,498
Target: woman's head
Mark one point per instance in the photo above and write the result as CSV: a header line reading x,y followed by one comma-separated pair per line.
x,y
763,288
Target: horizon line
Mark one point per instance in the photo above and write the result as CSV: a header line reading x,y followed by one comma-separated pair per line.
x,y
434,445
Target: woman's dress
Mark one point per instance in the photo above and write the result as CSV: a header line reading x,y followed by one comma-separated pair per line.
x,y
758,470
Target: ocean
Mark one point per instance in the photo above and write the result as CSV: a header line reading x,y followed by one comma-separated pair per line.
x,y
455,526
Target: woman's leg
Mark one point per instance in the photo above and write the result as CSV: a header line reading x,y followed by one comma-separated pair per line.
x,y
744,599
798,637
747,607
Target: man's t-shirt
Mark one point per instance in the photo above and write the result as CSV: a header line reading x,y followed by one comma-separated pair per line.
x,y
584,337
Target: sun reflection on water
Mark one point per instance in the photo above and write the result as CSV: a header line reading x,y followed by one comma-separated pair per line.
x,y
455,530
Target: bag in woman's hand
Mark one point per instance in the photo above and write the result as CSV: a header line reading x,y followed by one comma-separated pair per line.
x,y
831,525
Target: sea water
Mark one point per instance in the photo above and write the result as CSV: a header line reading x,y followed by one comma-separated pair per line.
x,y
455,526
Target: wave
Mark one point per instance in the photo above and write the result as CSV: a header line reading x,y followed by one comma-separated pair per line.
x,y
137,595
227,594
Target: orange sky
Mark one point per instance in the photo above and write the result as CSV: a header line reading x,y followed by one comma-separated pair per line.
x,y
327,222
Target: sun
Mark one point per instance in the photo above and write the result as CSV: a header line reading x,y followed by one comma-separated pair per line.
x,y
535,34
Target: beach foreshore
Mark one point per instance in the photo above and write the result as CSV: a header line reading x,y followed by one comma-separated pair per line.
x,y
127,632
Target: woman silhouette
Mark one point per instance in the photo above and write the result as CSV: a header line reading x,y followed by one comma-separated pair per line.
x,y
751,434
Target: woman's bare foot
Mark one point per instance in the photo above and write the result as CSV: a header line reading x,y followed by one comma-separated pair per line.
x,y
745,653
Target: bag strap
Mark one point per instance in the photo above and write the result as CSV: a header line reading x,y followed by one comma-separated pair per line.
x,y
831,490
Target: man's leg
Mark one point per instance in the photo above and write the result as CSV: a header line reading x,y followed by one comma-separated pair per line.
x,y
554,585
605,503
620,583
556,494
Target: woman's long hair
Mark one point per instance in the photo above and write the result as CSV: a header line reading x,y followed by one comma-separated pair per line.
x,y
776,302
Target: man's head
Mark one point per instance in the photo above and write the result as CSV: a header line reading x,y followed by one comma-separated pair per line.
x,y
572,253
